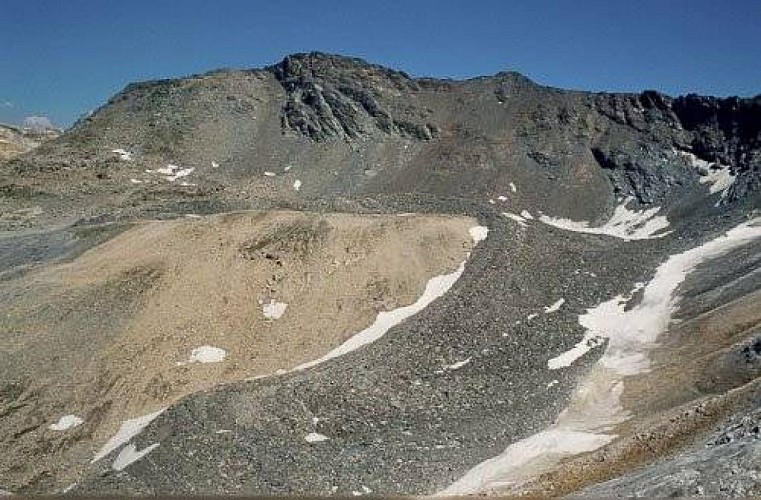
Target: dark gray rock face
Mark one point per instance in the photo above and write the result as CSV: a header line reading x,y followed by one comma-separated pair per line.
x,y
727,464
334,97
727,131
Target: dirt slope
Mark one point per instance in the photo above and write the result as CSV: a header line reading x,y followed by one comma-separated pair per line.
x,y
109,336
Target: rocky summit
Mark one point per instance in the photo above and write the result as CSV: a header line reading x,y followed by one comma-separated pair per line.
x,y
327,277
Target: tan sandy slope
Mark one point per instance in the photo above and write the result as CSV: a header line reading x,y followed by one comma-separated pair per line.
x,y
108,336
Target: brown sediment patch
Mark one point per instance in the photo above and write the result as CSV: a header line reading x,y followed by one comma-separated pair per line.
x,y
108,336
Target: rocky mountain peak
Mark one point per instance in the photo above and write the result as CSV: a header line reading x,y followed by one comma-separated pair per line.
x,y
336,97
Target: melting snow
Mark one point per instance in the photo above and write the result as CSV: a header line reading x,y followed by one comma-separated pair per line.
x,y
554,307
625,224
314,437
297,184
435,288
458,365
182,172
719,177
130,455
128,430
517,218
66,422
207,354
274,310
595,404
172,172
526,215
479,233
124,155
287,168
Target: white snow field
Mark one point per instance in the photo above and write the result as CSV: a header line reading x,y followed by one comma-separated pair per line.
x,y
594,408
274,310
130,455
315,437
172,172
66,422
517,218
207,354
718,177
128,430
625,224
123,154
554,307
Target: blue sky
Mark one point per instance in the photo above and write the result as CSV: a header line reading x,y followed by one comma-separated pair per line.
x,y
62,58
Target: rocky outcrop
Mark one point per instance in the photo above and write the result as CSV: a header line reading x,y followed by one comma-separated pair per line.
x,y
727,131
336,97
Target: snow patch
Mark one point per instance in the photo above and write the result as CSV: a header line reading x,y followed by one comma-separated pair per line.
x,y
123,154
479,233
625,224
458,365
172,172
207,354
513,188
718,177
182,172
274,310
128,430
554,307
269,174
314,437
136,181
517,218
297,184
527,215
214,164
130,455
66,422
502,198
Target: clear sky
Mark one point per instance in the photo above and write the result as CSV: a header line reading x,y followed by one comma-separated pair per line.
x,y
62,58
